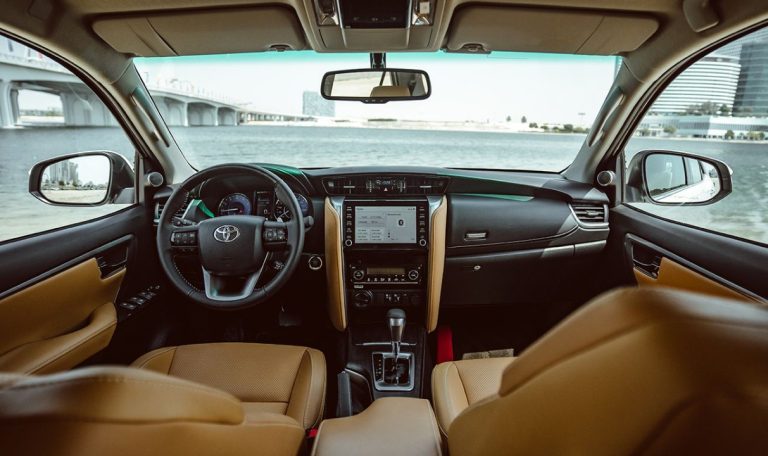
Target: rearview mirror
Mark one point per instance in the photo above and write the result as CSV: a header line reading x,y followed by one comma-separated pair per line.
x,y
82,179
677,179
376,85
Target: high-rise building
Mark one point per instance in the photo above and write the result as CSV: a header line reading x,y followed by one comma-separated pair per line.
x,y
711,82
752,92
316,106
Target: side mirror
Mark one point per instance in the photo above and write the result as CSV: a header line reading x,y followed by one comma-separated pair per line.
x,y
81,179
677,179
376,86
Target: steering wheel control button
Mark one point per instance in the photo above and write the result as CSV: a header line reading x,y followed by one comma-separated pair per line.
x,y
184,238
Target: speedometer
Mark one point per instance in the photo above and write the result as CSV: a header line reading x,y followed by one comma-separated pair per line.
x,y
235,204
283,213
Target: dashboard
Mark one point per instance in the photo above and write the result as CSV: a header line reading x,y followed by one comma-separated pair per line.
x,y
526,230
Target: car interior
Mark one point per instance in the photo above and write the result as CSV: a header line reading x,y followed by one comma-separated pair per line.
x,y
267,308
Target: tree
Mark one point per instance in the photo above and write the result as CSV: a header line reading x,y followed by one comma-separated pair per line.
x,y
509,118
545,128
724,110
523,119
568,128
729,134
670,129
533,125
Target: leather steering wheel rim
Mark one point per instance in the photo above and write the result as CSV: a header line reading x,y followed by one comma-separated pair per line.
x,y
294,241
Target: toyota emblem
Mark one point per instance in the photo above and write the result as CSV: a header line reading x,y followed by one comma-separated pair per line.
x,y
226,233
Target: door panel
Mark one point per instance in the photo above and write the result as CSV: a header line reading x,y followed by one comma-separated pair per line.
x,y
660,252
57,304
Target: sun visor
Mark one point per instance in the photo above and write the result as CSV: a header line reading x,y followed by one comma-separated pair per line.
x,y
203,32
499,28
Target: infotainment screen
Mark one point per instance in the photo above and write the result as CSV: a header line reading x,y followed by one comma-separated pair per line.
x,y
385,224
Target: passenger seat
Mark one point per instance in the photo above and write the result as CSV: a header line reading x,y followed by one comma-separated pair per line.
x,y
458,384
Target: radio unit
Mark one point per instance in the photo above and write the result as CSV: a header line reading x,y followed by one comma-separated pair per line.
x,y
359,273
377,224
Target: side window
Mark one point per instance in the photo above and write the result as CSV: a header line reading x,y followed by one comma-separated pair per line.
x,y
716,108
46,111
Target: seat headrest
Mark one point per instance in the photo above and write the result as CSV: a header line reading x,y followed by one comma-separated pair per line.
x,y
390,91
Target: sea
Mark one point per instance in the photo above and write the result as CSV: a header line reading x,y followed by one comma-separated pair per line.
x,y
743,214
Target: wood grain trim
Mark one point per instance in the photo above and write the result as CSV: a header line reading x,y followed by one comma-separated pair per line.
x,y
334,267
436,262
675,275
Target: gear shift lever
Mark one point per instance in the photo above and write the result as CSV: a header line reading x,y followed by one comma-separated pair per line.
x,y
396,323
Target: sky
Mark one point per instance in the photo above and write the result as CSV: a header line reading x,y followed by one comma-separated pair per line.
x,y
545,88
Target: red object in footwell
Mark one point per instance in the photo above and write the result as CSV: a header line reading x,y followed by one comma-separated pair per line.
x,y
444,344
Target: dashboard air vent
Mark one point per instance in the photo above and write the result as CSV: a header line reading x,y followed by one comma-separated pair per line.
x,y
344,185
591,213
159,206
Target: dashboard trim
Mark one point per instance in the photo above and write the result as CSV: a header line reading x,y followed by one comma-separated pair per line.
x,y
334,256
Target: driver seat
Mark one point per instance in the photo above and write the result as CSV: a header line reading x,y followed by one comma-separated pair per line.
x,y
275,379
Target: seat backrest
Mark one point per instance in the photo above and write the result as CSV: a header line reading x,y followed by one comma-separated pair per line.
x,y
116,410
637,371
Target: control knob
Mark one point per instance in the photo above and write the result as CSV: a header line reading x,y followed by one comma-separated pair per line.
x,y
358,274
413,275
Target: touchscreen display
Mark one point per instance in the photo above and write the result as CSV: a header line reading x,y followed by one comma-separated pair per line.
x,y
385,224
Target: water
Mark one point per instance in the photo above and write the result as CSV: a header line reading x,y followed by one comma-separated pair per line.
x,y
744,213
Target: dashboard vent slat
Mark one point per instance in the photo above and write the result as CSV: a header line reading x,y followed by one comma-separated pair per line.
x,y
590,213
159,206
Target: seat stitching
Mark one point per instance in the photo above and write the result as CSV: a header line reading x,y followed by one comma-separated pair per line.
x,y
160,351
56,356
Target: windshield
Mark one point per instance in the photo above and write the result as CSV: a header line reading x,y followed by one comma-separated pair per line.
x,y
499,111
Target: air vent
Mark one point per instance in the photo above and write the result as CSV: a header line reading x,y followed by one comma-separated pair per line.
x,y
344,185
591,213
376,184
159,206
425,185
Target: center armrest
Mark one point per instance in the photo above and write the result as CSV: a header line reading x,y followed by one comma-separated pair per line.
x,y
391,425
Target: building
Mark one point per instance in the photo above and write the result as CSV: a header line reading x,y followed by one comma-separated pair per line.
x,y
698,126
752,92
316,106
711,82
63,173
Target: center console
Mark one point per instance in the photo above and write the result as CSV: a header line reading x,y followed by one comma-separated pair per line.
x,y
385,248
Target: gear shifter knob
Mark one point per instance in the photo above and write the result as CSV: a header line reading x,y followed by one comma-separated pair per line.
x,y
396,323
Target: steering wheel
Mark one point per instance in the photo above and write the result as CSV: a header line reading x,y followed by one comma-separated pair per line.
x,y
233,249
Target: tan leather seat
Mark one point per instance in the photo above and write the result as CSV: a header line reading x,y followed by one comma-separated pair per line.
x,y
458,384
282,379
651,371
122,411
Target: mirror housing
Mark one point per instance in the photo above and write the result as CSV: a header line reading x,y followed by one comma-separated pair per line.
x,y
82,179
671,178
371,85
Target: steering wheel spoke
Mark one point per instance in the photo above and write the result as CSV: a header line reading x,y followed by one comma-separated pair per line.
x,y
231,288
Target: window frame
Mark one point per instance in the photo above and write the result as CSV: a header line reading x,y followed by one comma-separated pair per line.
x,y
141,150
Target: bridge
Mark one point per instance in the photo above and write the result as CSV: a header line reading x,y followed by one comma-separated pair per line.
x,y
179,102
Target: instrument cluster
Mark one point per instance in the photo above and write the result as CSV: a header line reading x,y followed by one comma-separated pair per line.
x,y
263,203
